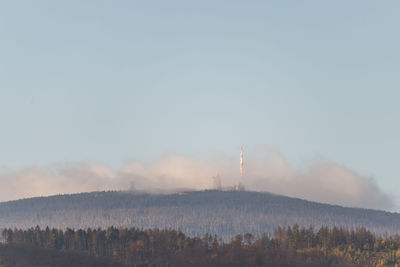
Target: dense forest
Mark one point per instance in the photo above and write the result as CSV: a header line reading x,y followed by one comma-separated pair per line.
x,y
30,256
225,213
290,246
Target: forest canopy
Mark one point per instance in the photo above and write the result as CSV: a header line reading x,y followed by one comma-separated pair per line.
x,y
289,246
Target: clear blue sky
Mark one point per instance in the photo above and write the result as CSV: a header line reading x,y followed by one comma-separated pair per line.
x,y
108,81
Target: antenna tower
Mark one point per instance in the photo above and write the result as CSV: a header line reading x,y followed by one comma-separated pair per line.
x,y
241,163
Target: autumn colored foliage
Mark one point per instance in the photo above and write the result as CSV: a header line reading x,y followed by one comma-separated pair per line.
x,y
290,246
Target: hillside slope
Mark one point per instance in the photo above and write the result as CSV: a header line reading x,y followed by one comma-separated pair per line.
x,y
225,213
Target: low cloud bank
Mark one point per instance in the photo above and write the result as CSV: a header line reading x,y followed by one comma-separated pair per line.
x,y
324,181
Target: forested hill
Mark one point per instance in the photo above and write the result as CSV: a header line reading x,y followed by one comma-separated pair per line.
x,y
225,213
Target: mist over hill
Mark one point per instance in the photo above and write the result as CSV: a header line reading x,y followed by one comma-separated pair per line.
x,y
225,213
266,170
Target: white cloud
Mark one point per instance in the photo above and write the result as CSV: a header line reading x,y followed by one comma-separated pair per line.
x,y
324,181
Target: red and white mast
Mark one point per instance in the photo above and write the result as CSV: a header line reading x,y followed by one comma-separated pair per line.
x,y
241,163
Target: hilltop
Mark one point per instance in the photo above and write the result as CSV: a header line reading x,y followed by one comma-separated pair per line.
x,y
225,213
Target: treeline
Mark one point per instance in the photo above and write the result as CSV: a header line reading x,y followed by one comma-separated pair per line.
x,y
290,246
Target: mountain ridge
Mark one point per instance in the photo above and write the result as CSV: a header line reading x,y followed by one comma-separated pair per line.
x,y
225,213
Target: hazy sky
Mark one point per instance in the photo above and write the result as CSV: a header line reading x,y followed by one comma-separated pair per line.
x,y
112,81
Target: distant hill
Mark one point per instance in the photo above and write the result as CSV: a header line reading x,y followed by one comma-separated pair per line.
x,y
225,213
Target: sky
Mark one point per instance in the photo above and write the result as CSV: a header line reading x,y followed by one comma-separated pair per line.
x,y
111,82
